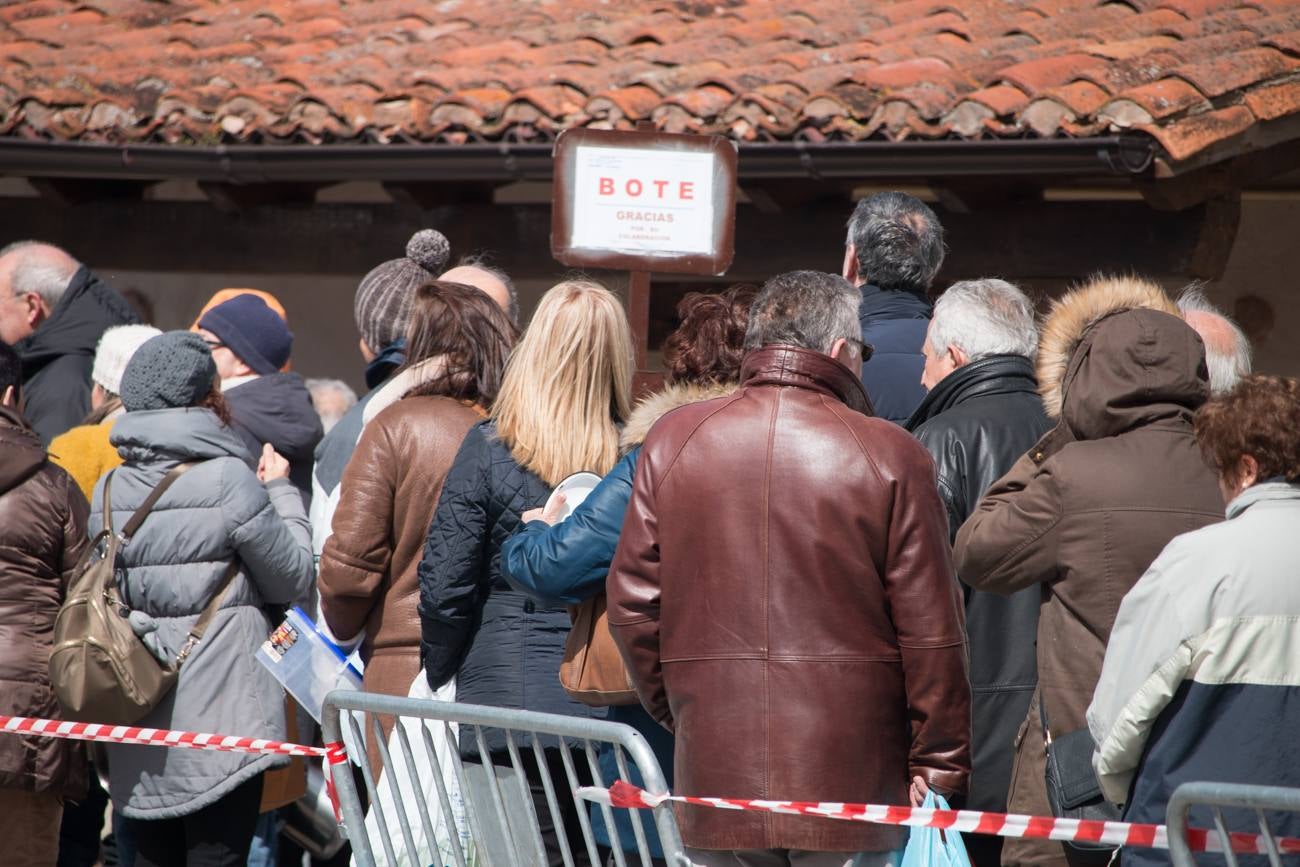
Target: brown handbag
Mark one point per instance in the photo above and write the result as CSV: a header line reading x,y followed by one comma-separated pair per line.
x,y
593,671
100,670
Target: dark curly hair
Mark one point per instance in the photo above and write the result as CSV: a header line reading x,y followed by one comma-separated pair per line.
x,y
710,342
1259,417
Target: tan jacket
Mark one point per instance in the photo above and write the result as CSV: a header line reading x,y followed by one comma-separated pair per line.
x,y
389,492
784,597
1086,511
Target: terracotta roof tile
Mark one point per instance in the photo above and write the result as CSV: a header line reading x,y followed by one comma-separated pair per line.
x,y
1192,73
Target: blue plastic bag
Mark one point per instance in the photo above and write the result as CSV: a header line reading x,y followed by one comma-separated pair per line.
x,y
935,847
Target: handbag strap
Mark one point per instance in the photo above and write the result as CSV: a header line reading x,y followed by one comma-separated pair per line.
x,y
1042,718
205,618
137,518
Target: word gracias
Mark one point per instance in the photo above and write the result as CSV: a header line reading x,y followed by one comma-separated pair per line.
x,y
634,188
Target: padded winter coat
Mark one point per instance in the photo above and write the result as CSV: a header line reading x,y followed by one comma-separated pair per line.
x,y
214,512
894,324
276,408
976,423
503,648
42,536
1086,511
1202,675
568,563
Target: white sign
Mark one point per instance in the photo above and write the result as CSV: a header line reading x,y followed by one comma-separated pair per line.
x,y
636,200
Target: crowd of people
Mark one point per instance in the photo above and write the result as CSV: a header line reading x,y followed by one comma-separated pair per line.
x,y
865,543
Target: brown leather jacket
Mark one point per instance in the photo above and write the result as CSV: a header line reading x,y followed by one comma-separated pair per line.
x,y
1086,511
42,536
389,492
784,596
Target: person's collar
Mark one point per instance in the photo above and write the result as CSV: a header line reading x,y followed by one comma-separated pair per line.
x,y
382,365
231,382
805,368
991,373
1275,488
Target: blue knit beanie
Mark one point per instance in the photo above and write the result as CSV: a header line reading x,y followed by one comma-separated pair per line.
x,y
171,370
252,330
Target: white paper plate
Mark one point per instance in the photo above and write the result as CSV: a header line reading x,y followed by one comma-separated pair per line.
x,y
575,489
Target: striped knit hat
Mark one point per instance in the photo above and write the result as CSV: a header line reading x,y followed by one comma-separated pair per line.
x,y
383,303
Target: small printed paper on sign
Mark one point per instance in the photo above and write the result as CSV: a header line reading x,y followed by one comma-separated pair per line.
x,y
637,200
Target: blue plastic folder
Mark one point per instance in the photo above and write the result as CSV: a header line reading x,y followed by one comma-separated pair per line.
x,y
935,847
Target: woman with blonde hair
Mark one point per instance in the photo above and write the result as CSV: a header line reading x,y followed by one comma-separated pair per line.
x,y
565,392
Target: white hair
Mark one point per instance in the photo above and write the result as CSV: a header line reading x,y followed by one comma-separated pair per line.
x,y
1227,355
320,388
40,268
984,317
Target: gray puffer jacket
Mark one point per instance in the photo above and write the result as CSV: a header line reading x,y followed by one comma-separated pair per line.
x,y
216,511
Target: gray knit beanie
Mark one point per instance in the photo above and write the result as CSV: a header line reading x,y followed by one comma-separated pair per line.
x,y
170,370
383,304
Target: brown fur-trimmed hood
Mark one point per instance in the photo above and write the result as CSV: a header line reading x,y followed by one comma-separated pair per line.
x,y
650,408
1074,313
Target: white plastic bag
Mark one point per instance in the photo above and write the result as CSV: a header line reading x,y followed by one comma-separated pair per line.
x,y
437,852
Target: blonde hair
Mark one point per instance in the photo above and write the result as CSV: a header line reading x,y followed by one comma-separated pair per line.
x,y
568,384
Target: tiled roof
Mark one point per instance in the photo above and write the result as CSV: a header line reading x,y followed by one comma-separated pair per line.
x,y
1192,73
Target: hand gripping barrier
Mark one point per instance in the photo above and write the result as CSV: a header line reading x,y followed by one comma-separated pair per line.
x,y
493,811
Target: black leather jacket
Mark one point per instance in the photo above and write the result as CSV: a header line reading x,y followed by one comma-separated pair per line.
x,y
976,423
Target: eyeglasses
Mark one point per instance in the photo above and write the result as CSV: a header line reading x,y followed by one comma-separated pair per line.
x,y
865,350
214,345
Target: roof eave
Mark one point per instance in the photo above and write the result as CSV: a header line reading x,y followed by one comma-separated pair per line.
x,y
1111,155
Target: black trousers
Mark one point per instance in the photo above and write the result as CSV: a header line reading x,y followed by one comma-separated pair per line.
x,y
216,836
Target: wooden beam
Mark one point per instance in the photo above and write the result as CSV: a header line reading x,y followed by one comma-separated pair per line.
x,y
79,191
239,198
1043,239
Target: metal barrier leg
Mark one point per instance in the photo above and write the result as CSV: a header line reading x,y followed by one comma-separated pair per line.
x,y
502,818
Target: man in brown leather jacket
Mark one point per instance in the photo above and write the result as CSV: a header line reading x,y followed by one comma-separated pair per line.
x,y
783,594
42,536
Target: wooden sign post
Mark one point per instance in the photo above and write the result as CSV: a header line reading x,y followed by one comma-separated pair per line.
x,y
644,202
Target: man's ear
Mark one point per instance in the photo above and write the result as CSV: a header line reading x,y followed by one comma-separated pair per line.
x,y
958,355
9,398
36,310
850,269
1248,471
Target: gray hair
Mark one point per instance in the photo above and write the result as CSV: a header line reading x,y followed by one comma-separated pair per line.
x,y
1227,349
898,242
41,268
984,317
810,309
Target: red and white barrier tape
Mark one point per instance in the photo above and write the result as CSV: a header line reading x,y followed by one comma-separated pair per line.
x,y
334,753
623,794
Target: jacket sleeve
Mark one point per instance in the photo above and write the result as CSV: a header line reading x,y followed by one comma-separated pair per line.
x,y
358,553
269,531
632,594
451,571
567,563
925,602
75,537
1148,655
1011,540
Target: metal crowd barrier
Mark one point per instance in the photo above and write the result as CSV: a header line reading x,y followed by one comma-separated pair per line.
x,y
441,809
1217,797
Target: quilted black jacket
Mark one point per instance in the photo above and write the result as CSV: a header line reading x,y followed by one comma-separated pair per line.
x,y
503,648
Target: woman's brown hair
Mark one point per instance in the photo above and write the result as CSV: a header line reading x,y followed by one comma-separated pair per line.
x,y
468,331
710,342
216,401
1259,417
